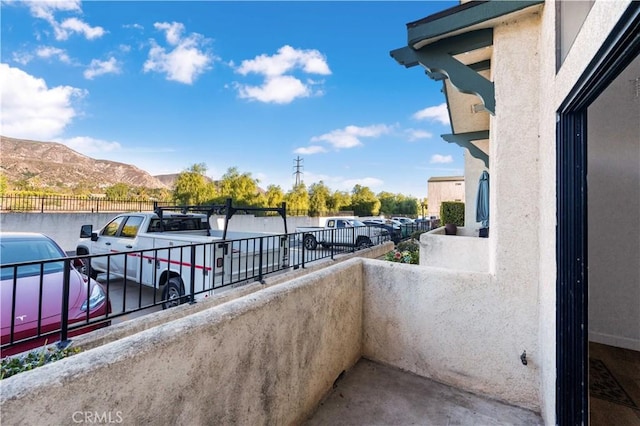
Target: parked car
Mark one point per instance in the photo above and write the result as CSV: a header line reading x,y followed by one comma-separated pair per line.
x,y
32,293
341,232
393,230
403,220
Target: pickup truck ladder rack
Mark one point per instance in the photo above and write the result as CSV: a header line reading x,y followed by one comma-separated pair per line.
x,y
226,209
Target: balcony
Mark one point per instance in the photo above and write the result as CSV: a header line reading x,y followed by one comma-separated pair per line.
x,y
464,251
372,332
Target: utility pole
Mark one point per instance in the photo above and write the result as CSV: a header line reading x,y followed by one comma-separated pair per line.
x,y
298,170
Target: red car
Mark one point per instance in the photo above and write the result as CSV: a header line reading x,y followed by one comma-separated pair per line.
x,y
39,292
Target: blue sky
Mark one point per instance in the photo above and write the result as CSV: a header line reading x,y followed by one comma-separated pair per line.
x,y
253,85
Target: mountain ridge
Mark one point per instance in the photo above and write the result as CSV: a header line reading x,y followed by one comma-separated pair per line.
x,y
55,166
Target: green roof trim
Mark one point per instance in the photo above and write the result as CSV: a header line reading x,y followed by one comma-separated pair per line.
x,y
438,59
463,16
464,140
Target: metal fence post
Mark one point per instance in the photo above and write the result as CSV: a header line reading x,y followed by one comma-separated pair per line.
x,y
260,260
333,239
192,276
64,320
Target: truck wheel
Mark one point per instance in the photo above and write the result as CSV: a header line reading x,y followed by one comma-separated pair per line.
x,y
363,243
85,268
173,293
310,242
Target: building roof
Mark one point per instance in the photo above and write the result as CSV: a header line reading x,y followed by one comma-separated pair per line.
x,y
456,47
446,179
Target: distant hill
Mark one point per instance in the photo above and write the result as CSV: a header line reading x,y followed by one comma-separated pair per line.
x,y
55,166
168,180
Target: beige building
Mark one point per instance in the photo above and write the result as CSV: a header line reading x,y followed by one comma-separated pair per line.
x,y
444,188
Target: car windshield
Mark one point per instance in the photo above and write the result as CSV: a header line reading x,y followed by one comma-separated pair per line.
x,y
29,250
356,223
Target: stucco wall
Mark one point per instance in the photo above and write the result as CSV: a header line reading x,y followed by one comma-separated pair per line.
x,y
459,328
463,252
265,358
268,357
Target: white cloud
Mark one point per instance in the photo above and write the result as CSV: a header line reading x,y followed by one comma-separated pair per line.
x,y
97,68
350,136
88,145
279,86
278,90
51,52
438,113
287,59
309,150
173,31
416,134
186,61
75,25
23,58
441,159
46,10
30,109
133,26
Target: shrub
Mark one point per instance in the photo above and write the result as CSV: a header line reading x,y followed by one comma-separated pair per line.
x,y
12,365
405,252
452,212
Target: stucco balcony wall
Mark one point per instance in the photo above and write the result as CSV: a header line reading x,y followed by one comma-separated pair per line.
x,y
464,251
269,357
456,327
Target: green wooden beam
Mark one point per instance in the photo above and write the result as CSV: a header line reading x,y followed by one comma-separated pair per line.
x,y
464,140
463,16
438,60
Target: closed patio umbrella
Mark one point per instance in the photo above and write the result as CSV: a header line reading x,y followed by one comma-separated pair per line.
x,y
482,200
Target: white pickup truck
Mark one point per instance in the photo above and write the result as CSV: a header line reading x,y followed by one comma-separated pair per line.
x,y
340,231
179,253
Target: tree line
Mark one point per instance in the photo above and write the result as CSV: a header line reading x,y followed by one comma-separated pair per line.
x,y
193,187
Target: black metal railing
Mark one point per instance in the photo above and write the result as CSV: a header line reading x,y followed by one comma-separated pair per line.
x,y
154,279
73,204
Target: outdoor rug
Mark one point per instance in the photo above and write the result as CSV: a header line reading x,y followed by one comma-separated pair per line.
x,y
603,385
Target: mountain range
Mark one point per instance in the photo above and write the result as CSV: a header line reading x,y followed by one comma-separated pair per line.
x,y
54,166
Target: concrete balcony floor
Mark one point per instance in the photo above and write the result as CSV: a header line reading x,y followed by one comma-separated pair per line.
x,y
374,394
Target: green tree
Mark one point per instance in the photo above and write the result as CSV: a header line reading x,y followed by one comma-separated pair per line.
x,y
117,191
409,206
192,187
241,188
319,195
388,203
339,200
364,202
274,196
3,184
297,199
